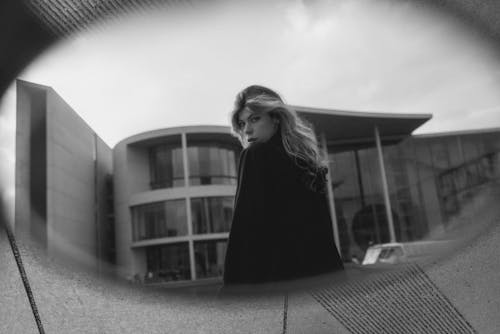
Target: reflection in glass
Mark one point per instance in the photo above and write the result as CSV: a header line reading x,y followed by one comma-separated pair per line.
x,y
166,169
211,164
370,224
451,170
211,214
404,193
209,257
348,198
158,220
360,203
168,263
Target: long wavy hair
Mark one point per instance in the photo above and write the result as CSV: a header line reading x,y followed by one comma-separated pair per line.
x,y
297,135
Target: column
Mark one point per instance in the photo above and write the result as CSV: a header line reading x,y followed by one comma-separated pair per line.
x,y
385,188
188,207
331,198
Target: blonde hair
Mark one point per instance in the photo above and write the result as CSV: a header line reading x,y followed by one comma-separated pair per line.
x,y
298,137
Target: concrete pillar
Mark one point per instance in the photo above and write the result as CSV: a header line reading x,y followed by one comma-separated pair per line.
x,y
188,207
385,188
331,197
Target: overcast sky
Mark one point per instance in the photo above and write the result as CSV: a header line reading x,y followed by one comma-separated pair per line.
x,y
184,66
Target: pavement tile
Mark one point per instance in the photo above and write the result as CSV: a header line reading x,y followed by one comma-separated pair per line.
x,y
15,315
306,316
470,279
73,301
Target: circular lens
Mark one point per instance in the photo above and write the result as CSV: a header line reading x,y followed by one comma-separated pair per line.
x,y
119,161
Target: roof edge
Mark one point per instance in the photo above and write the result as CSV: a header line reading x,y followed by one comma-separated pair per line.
x,y
175,130
366,114
456,132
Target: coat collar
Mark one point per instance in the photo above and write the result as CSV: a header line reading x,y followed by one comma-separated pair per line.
x,y
276,139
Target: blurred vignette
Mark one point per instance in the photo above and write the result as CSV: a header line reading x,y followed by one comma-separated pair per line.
x,y
479,205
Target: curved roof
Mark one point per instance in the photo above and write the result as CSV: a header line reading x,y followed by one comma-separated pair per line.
x,y
353,126
156,135
340,127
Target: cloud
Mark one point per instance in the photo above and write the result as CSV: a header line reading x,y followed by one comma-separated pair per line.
x,y
185,67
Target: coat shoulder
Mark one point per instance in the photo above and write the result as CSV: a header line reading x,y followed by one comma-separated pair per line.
x,y
273,161
267,153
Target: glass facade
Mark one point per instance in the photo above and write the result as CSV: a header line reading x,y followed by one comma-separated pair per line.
x,y
209,258
472,162
159,220
166,167
211,214
212,160
404,193
171,262
430,179
359,201
212,164
451,172
168,263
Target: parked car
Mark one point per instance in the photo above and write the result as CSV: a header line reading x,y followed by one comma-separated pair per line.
x,y
402,252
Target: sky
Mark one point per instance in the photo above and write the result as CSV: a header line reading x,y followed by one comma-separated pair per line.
x,y
184,66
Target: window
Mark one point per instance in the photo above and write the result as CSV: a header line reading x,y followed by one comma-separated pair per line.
x,y
158,220
212,214
211,164
168,263
166,168
209,258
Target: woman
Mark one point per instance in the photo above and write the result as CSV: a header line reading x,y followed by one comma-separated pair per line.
x,y
281,226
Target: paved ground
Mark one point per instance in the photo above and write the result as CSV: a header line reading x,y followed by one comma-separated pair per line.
x,y
454,295
457,293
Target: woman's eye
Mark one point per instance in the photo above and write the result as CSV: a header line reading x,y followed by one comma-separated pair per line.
x,y
255,119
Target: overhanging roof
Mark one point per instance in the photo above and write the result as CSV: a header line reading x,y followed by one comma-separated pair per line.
x,y
344,127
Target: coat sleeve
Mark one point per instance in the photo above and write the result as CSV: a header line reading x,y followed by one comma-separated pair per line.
x,y
255,235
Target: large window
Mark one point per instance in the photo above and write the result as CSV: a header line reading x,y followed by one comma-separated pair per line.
x,y
168,263
211,164
209,258
158,220
166,168
359,201
457,184
404,191
348,196
212,214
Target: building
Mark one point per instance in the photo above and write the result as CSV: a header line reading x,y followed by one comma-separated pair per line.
x,y
63,178
174,192
174,187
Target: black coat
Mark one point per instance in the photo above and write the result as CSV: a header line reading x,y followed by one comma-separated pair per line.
x,y
280,229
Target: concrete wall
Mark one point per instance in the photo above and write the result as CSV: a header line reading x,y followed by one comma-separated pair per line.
x,y
23,123
104,202
72,170
123,231
78,162
31,149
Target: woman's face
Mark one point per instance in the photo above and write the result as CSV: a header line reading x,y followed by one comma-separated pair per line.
x,y
256,126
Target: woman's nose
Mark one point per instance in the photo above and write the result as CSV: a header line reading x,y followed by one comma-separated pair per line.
x,y
248,129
